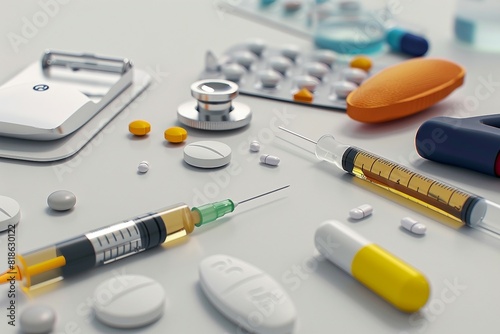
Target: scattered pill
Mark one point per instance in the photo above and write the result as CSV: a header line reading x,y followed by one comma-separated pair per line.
x,y
343,88
238,290
233,72
143,167
413,226
355,75
269,160
280,64
37,319
207,154
307,81
138,302
303,95
139,127
361,211
61,200
255,146
175,134
317,69
269,78
10,212
361,62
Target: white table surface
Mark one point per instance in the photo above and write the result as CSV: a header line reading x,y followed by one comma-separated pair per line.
x,y
169,39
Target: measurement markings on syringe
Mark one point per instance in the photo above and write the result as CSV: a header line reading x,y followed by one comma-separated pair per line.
x,y
110,246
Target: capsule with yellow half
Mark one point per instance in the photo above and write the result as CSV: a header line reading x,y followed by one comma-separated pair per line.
x,y
391,278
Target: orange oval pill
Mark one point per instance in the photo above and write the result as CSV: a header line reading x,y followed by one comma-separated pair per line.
x,y
361,62
404,89
139,127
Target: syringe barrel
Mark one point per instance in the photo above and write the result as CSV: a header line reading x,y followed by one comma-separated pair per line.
x,y
443,198
105,245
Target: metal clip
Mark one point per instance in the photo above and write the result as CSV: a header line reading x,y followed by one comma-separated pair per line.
x,y
85,61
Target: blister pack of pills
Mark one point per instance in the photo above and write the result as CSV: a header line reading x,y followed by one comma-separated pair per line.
x,y
316,77
293,15
343,26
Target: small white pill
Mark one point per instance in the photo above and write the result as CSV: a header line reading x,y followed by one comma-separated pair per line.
x,y
355,75
307,81
291,51
244,58
280,64
256,46
326,57
61,200
343,88
361,211
269,78
233,72
318,70
269,160
143,167
413,226
254,146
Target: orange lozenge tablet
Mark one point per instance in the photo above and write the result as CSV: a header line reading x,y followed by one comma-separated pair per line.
x,y
404,89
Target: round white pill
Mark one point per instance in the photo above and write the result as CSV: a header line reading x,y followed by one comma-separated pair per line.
x,y
280,64
61,200
355,75
207,154
254,146
269,160
361,211
143,167
318,70
326,57
129,301
269,78
290,51
244,58
307,81
233,72
413,226
256,46
343,88
37,319
10,212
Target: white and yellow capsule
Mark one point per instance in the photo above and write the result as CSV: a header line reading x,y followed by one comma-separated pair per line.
x,y
388,276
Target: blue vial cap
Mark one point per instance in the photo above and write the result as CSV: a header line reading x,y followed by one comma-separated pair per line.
x,y
408,43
